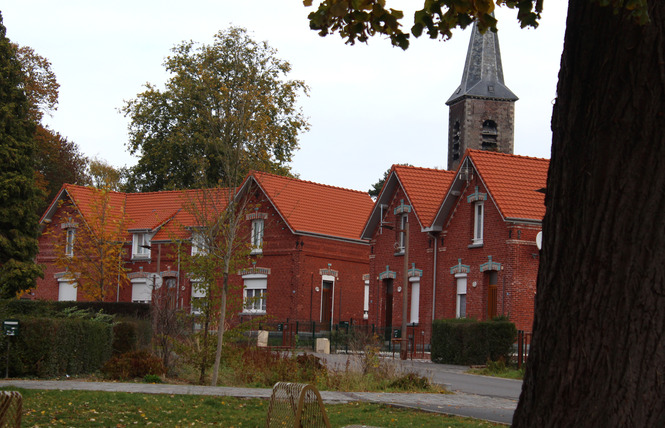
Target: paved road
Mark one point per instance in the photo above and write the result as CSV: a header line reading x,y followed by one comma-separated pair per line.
x,y
475,396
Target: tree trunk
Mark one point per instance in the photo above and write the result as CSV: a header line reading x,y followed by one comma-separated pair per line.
x,y
220,328
598,352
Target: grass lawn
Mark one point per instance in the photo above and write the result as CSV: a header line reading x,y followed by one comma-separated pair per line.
x,y
42,408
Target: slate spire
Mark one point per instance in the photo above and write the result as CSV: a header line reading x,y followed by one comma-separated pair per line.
x,y
482,109
483,73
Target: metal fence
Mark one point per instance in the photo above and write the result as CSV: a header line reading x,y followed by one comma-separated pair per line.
x,y
345,337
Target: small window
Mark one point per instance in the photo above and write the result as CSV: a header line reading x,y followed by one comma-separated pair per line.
x,y
257,236
402,234
460,311
366,301
69,246
141,245
141,291
254,294
198,244
478,220
490,135
415,301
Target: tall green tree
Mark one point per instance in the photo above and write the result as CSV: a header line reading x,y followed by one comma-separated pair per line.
x,y
598,352
58,160
18,191
228,96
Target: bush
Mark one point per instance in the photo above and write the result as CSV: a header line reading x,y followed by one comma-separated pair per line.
x,y
135,364
465,341
48,347
131,335
410,382
47,308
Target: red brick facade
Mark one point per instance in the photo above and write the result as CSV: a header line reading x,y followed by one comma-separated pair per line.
x,y
500,271
293,263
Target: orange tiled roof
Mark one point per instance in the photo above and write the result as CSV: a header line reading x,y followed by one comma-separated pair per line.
x,y
316,208
89,204
175,210
513,182
425,188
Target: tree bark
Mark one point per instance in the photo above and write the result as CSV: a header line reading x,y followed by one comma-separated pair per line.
x,y
598,352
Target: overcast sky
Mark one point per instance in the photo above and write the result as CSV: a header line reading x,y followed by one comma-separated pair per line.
x,y
370,105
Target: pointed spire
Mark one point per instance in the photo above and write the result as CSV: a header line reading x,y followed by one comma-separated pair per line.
x,y
483,73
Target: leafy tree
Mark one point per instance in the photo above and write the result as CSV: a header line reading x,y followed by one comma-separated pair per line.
x,y
598,350
91,250
18,192
41,86
58,161
376,187
105,176
231,95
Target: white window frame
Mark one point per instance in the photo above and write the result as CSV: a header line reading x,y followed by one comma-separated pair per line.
x,y
69,243
404,218
141,290
366,301
460,305
414,287
198,243
67,290
255,283
258,227
478,222
139,240
197,293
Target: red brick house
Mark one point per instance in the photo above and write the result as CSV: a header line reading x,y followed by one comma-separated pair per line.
x,y
311,260
412,195
489,221
307,260
472,247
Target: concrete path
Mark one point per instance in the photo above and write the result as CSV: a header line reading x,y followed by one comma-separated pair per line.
x,y
496,408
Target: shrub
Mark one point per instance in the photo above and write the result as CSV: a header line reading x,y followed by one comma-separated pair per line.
x,y
48,347
131,335
410,382
465,341
135,364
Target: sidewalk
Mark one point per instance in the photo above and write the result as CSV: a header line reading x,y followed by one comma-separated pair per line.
x,y
495,409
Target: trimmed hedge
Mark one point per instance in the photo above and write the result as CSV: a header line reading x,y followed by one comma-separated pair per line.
x,y
466,341
46,308
131,335
50,347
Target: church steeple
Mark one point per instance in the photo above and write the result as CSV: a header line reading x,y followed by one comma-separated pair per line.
x,y
482,109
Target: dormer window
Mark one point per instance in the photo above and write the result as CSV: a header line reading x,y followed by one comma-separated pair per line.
x,y
257,236
141,245
198,243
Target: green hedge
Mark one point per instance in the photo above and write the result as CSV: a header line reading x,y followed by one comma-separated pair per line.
x,y
131,335
49,347
465,341
47,308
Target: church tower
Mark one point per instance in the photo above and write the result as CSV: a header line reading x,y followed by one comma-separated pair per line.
x,y
482,109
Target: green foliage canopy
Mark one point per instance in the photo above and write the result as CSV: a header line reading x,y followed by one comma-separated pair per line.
x,y
358,20
226,109
18,192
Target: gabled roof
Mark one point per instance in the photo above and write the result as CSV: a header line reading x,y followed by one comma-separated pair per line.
x,y
424,188
167,213
513,183
312,208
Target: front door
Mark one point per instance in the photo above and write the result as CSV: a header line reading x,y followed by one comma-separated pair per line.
x,y
388,309
326,302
